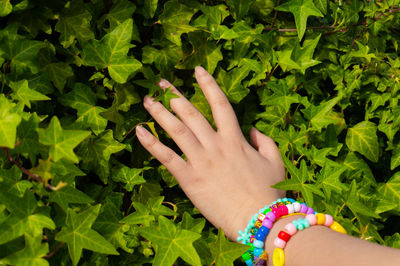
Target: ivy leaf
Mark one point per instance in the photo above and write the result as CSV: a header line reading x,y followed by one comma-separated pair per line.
x,y
319,117
58,73
329,180
74,23
175,20
301,10
355,205
391,190
121,11
363,139
225,252
231,83
5,8
298,181
171,243
141,215
150,8
303,56
129,176
61,142
31,255
83,99
67,195
28,138
96,152
166,96
78,235
8,123
111,53
395,160
23,94
239,8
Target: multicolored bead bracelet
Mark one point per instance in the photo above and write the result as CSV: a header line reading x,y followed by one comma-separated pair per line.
x,y
278,257
260,224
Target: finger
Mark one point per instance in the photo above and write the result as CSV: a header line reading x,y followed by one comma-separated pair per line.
x,y
224,116
266,147
190,116
162,153
180,133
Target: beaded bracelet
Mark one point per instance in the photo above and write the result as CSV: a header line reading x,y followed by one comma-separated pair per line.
x,y
263,223
278,257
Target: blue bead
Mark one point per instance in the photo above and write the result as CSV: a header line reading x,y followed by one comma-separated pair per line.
x,y
258,244
249,263
260,236
291,200
258,252
264,230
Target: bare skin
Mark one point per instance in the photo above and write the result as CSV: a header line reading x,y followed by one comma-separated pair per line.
x,y
229,180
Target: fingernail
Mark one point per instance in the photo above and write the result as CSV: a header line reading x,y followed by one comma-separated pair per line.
x,y
147,101
200,70
163,83
140,131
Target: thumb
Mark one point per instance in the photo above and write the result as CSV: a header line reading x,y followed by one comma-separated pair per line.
x,y
265,146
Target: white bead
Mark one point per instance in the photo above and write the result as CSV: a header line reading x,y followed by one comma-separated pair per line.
x,y
296,206
290,208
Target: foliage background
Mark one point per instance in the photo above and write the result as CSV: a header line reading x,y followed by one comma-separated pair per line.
x,y
320,77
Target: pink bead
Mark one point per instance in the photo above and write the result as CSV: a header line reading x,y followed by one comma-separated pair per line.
x,y
311,219
267,223
279,243
310,210
283,210
270,216
290,229
252,239
328,220
303,208
276,212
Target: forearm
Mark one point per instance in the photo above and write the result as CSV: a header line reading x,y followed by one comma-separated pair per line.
x,y
319,245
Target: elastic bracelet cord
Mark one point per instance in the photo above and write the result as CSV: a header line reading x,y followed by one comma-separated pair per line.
x,y
260,224
278,257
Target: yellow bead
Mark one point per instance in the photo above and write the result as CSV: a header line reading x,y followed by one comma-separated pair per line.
x,y
320,218
278,257
257,224
338,228
261,217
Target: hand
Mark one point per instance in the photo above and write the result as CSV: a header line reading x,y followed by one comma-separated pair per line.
x,y
224,176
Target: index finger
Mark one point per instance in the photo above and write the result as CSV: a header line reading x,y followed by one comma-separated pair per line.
x,y
224,116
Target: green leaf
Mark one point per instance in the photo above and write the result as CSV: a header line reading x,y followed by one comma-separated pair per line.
x,y
5,8
355,205
166,96
171,243
301,10
78,235
62,142
129,176
67,195
231,83
175,20
391,190
58,73
111,53
74,23
8,123
303,56
120,11
299,181
239,8
225,252
141,215
96,152
22,93
395,160
83,99
28,138
150,8
322,5
363,139
329,180
31,255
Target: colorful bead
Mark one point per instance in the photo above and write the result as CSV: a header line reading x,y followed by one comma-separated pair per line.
x,y
260,236
279,243
261,217
310,210
328,220
252,238
312,220
267,223
296,206
291,229
278,257
258,243
246,256
257,224
257,252
320,218
267,211
276,212
284,236
264,230
303,208
249,262
290,208
283,210
337,227
270,216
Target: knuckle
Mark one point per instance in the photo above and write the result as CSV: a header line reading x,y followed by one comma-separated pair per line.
x,y
190,112
180,130
156,108
168,157
153,141
222,102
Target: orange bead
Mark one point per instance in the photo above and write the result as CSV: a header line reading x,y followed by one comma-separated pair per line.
x,y
257,224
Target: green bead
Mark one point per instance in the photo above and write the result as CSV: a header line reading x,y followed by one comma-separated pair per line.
x,y
246,256
267,211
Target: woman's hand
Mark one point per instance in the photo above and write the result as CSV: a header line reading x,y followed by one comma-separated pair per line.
x,y
226,178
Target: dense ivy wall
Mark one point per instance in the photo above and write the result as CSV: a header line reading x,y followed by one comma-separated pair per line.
x,y
321,77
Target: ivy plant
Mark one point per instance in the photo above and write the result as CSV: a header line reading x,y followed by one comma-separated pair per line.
x,y
321,77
